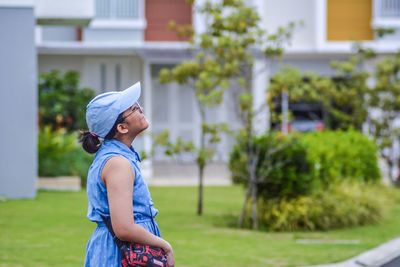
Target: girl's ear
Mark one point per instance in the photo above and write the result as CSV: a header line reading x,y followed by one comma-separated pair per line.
x,y
121,128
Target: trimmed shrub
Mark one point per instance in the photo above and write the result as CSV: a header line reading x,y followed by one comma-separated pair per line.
x,y
296,165
342,205
335,155
282,169
60,154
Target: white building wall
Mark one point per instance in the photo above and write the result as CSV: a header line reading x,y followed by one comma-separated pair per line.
x,y
101,73
64,9
57,33
307,64
282,12
59,62
105,35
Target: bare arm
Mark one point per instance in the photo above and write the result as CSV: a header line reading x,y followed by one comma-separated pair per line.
x,y
119,177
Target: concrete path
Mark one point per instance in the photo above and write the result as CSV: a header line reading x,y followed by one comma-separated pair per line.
x,y
393,263
385,255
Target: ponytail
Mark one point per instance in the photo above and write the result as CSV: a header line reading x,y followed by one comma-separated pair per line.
x,y
90,141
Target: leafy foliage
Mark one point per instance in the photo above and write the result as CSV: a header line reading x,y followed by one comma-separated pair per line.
x,y
349,100
343,205
342,96
341,155
61,112
295,165
61,102
282,169
61,155
385,101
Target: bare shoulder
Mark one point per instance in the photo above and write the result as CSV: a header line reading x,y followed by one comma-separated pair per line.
x,y
117,167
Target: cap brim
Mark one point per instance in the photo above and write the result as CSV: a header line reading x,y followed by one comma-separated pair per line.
x,y
129,96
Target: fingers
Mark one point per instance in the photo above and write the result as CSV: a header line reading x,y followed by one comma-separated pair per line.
x,y
170,259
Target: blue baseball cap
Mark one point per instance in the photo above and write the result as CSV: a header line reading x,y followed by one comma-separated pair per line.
x,y
103,110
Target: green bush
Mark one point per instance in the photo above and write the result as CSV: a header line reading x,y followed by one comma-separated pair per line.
x,y
282,169
342,205
61,102
60,154
334,155
295,165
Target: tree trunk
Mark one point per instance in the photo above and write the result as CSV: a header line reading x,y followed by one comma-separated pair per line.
x,y
285,113
389,163
397,181
201,163
243,212
254,197
200,197
253,157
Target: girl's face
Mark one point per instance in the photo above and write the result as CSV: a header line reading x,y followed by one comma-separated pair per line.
x,y
134,119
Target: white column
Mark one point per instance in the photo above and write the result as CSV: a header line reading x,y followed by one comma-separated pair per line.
x,y
369,67
321,14
199,20
260,5
147,166
261,70
260,80
38,35
142,10
18,96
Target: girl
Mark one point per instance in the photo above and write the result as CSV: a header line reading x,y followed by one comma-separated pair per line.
x,y
115,186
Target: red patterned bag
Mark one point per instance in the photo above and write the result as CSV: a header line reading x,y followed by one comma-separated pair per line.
x,y
138,255
133,254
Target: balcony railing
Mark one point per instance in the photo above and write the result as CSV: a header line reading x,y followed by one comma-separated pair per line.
x,y
117,9
387,8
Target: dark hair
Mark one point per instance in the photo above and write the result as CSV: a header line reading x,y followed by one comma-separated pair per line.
x,y
91,142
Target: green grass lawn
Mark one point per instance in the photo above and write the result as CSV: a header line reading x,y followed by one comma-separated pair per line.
x,y
52,230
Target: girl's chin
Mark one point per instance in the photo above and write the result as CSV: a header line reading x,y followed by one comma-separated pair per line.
x,y
142,130
145,125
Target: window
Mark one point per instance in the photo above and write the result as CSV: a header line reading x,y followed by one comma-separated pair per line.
x,y
388,8
117,9
386,14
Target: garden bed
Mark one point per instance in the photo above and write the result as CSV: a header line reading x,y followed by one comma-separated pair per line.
x,y
61,183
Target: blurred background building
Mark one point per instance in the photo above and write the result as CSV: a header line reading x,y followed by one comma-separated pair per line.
x,y
114,43
129,40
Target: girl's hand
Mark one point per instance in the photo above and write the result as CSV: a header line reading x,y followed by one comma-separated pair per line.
x,y
170,255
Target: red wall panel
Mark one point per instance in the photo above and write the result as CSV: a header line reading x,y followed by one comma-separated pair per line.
x,y
160,12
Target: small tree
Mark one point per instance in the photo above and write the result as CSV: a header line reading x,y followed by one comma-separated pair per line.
x,y
207,75
266,47
224,58
385,109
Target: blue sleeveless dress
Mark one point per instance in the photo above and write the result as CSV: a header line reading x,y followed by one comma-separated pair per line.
x,y
101,249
